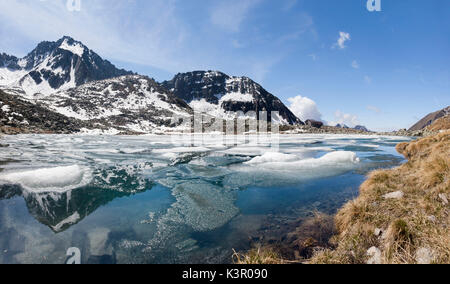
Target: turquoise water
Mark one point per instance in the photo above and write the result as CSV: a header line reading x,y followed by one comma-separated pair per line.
x,y
159,199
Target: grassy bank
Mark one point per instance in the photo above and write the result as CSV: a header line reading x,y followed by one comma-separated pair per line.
x,y
401,216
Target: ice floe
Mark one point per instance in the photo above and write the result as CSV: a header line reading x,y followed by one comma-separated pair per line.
x,y
59,179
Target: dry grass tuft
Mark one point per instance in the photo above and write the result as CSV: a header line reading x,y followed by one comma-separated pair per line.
x,y
258,256
401,228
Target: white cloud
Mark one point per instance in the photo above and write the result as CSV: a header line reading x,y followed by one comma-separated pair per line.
x,y
345,118
313,56
304,108
230,14
355,64
367,79
374,109
156,43
343,37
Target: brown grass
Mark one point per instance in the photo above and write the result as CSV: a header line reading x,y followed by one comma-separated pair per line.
x,y
419,220
441,124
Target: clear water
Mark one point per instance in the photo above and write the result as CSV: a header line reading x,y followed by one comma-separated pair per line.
x,y
150,199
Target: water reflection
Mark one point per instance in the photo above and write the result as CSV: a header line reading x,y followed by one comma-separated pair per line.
x,y
60,211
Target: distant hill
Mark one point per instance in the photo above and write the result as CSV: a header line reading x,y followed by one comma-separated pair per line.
x,y
358,127
429,119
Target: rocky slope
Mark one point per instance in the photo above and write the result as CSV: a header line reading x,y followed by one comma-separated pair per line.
x,y
220,95
54,66
133,102
19,116
429,119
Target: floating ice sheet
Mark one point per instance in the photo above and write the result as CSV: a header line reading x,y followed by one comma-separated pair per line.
x,y
59,179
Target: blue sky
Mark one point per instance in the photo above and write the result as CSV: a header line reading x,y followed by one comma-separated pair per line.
x,y
389,69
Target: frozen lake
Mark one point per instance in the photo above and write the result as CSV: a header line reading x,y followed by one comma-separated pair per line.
x,y
163,199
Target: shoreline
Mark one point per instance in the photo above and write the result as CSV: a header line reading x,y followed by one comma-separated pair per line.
x,y
401,216
7,131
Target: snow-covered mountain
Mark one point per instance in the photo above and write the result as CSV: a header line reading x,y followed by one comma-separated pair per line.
x,y
223,96
76,85
133,102
54,66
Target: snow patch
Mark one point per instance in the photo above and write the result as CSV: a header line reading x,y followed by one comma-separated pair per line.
x,y
6,108
236,97
76,48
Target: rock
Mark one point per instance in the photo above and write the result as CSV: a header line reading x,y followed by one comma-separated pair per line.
x,y
444,198
378,232
432,219
394,195
424,256
375,255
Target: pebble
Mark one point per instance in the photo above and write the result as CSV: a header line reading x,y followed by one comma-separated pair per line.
x,y
378,232
444,199
375,255
432,219
424,256
394,195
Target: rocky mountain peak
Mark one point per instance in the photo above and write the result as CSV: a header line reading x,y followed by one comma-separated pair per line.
x,y
221,95
54,66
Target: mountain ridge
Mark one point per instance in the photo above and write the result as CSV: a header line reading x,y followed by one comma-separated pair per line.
x,y
429,119
68,78
219,94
